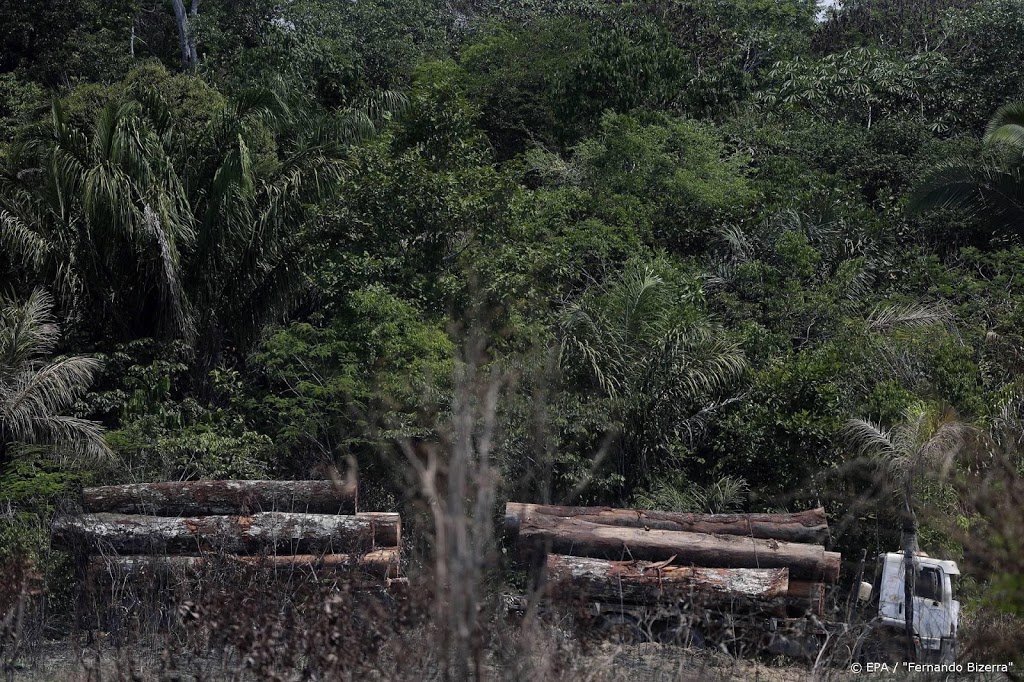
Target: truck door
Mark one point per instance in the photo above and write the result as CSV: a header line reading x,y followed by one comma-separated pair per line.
x,y
931,613
890,604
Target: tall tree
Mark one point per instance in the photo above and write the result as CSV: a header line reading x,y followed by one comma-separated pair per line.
x,y
101,216
166,228
186,35
662,368
926,441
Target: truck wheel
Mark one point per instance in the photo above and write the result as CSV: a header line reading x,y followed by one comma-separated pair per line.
x,y
883,646
694,639
684,636
621,629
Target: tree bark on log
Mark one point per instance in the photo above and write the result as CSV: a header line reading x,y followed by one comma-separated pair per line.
x,y
729,590
646,582
541,535
263,532
383,563
199,498
807,526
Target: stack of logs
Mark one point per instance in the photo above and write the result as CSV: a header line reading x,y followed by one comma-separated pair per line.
x,y
308,525
773,563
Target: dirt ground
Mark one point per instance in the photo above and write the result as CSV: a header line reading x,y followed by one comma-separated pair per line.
x,y
606,663
609,663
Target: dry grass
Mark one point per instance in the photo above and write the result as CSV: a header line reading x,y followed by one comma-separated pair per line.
x,y
235,623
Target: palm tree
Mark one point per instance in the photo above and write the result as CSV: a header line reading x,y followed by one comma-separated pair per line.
x,y
661,366
193,232
253,217
926,441
37,389
992,189
101,216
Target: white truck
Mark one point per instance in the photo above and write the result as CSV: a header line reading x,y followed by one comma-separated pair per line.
x,y
873,632
936,610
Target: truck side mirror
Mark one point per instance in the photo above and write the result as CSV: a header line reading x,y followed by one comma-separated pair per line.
x,y
864,591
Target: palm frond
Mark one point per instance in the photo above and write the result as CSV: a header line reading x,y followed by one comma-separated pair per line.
x,y
741,246
267,104
721,496
951,183
21,241
946,434
992,189
686,368
868,439
1007,126
33,391
44,389
581,340
74,441
384,103
636,300
889,317
168,264
27,331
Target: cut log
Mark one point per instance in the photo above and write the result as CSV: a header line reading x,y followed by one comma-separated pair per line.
x,y
645,582
199,498
541,535
574,580
383,563
808,594
806,526
264,532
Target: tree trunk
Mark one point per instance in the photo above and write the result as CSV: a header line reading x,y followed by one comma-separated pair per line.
x,y
275,532
199,498
806,526
645,582
381,562
910,548
186,40
540,535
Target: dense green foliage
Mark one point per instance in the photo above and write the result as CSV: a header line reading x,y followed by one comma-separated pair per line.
x,y
698,236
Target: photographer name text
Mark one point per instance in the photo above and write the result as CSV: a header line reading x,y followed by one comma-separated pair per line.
x,y
912,667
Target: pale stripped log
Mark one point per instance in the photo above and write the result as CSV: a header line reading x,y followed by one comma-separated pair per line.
x,y
639,581
380,562
263,532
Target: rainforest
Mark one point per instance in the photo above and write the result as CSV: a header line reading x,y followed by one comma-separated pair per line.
x,y
705,256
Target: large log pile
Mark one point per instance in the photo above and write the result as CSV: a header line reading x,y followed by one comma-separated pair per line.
x,y
192,525
774,563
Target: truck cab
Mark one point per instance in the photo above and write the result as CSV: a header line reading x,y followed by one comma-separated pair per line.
x,y
936,610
